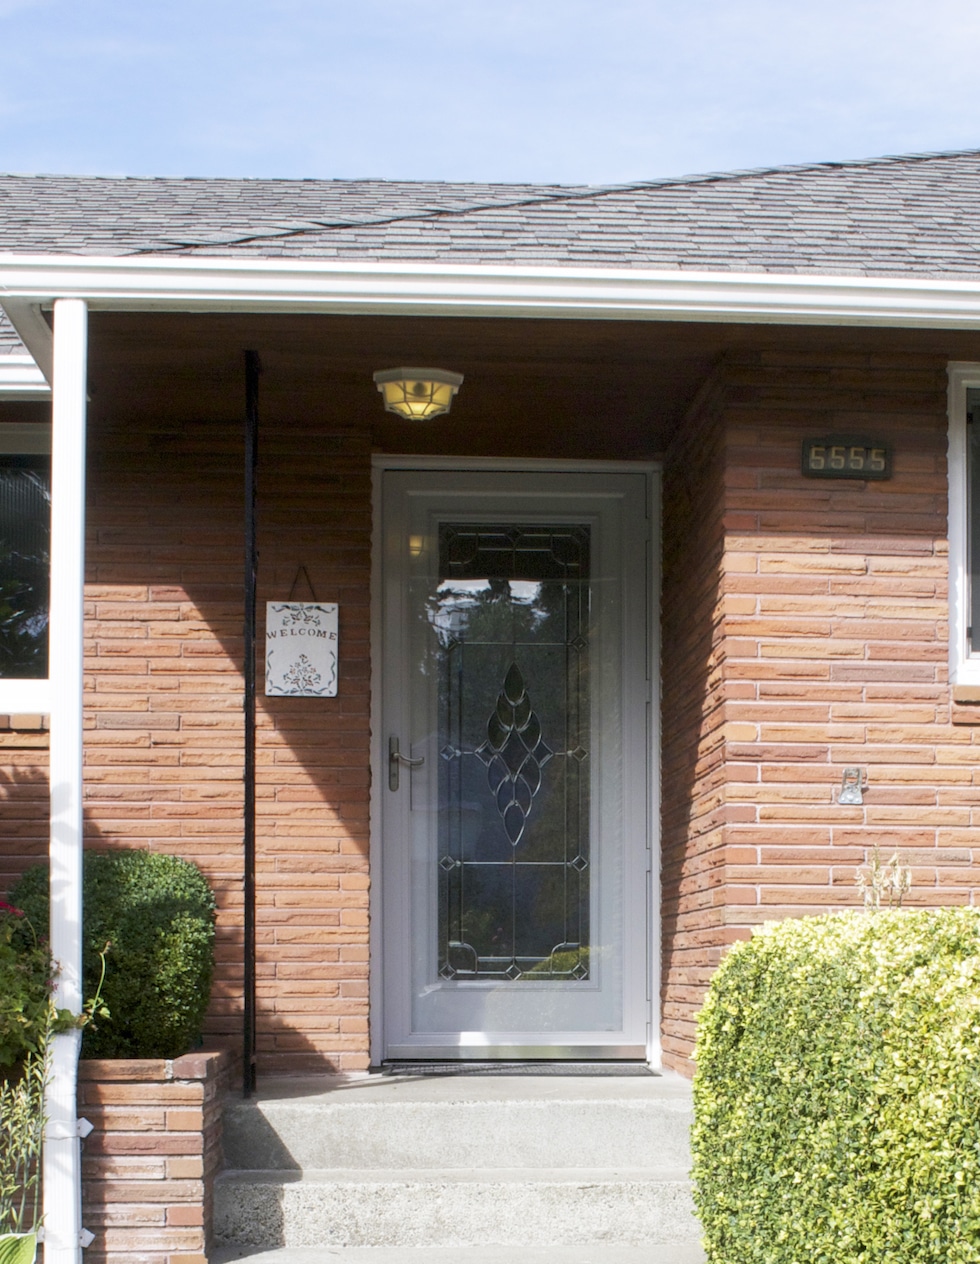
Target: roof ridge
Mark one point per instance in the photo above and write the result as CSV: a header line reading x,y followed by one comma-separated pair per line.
x,y
297,180
560,191
380,221
829,164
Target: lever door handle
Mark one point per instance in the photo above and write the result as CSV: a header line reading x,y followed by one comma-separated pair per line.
x,y
395,761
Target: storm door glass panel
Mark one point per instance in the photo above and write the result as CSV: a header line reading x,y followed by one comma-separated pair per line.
x,y
511,615
25,534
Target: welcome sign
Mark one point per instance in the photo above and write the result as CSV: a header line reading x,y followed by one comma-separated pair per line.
x,y
300,649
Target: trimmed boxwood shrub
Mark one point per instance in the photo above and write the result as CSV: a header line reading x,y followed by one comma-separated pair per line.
x,y
837,1095
157,914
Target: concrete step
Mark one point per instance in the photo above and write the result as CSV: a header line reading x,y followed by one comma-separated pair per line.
x,y
509,1165
459,1122
515,1207
605,1253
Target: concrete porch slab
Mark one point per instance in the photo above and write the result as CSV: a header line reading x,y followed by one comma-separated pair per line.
x,y
373,1087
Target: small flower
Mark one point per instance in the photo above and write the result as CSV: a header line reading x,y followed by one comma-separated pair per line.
x,y
9,908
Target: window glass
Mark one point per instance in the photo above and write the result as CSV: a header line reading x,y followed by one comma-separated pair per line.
x,y
25,533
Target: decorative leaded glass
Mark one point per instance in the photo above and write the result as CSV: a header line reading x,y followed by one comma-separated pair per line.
x,y
511,616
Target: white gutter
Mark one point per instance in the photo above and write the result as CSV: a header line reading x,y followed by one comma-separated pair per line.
x,y
20,378
63,1233
155,283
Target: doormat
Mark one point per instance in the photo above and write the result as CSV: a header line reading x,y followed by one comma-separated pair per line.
x,y
516,1068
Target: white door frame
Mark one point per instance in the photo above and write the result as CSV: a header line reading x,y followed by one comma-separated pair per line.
x,y
385,462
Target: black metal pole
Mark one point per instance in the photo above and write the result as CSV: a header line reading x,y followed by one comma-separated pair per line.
x,y
252,370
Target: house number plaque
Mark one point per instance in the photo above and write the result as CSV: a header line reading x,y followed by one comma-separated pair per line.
x,y
300,649
846,456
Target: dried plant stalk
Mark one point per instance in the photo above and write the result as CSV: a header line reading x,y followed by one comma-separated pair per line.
x,y
21,1133
883,885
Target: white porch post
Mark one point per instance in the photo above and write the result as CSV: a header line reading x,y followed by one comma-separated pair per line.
x,y
62,1158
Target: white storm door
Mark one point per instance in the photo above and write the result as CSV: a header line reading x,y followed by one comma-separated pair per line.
x,y
515,838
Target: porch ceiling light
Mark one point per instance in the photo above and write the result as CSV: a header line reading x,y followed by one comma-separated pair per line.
x,y
418,394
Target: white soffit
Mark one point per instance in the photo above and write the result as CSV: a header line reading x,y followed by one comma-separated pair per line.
x,y
256,285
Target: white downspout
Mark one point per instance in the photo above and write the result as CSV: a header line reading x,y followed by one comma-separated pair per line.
x,y
63,1234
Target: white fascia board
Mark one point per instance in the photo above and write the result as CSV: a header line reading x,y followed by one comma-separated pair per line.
x,y
155,283
20,378
33,330
25,697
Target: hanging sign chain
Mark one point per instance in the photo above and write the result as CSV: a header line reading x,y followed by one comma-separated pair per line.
x,y
309,583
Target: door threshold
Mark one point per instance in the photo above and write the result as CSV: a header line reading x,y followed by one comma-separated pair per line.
x,y
539,1067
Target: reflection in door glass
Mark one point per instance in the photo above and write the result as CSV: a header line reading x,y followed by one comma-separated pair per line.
x,y
510,618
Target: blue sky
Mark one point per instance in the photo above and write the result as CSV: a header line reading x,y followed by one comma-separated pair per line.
x,y
574,91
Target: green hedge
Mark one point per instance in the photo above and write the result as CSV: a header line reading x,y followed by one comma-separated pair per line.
x,y
157,914
837,1096
25,994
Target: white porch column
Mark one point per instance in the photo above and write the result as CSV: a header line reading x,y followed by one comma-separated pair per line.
x,y
62,1159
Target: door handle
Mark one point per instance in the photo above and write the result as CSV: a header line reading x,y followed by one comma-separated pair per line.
x,y
395,761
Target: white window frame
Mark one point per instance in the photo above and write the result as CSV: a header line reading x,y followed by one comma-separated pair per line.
x,y
964,667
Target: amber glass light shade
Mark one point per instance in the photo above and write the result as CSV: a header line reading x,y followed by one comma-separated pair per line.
x,y
418,394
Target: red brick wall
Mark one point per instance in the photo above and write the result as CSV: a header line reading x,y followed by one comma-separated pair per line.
x,y
148,1167
164,720
314,764
164,743
834,654
804,630
163,740
693,771
23,796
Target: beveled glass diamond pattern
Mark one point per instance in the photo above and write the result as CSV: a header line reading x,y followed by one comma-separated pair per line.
x,y
514,753
511,619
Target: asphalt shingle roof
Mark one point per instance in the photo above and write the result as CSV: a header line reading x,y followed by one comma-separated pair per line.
x,y
918,214
10,344
915,215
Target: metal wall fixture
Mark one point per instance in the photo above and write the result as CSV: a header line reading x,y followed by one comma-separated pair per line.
x,y
854,781
418,394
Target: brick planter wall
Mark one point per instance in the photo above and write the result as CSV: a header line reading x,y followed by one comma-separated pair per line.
x,y
148,1169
